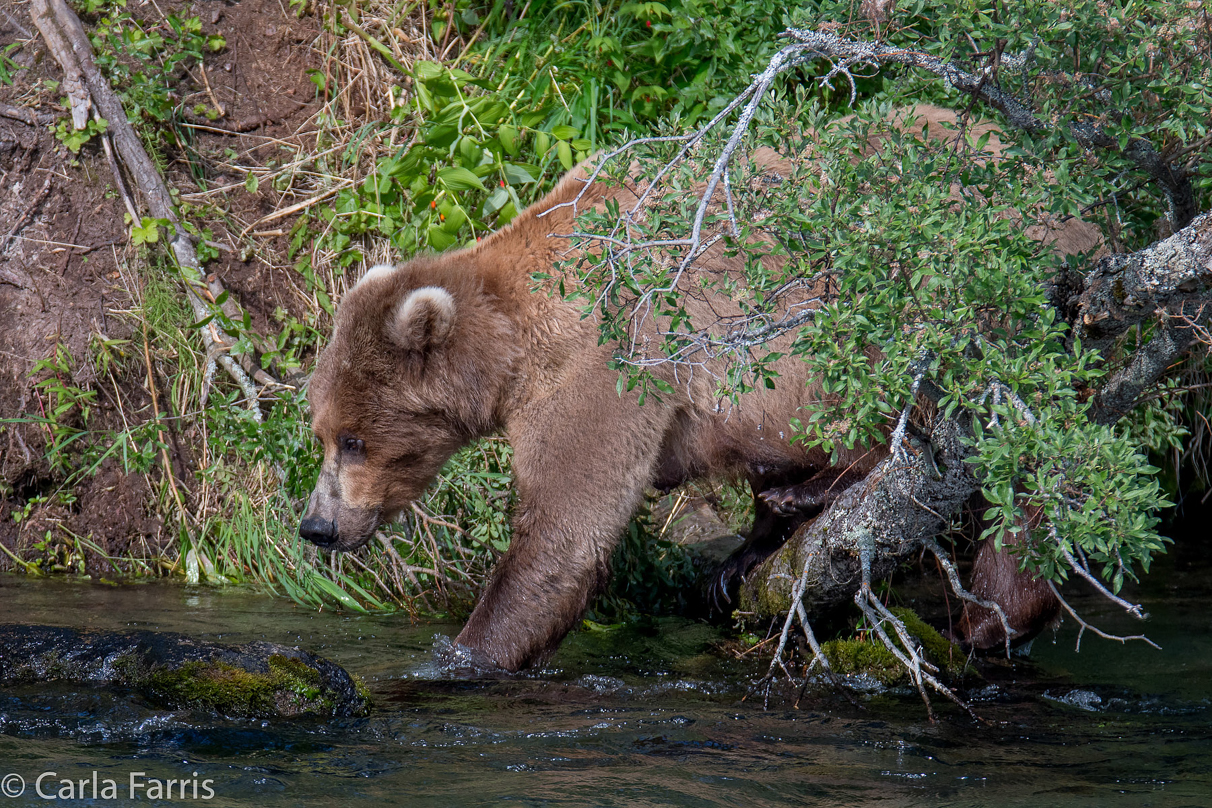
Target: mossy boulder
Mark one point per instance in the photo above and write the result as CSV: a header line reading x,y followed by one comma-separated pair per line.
x,y
869,656
855,657
175,671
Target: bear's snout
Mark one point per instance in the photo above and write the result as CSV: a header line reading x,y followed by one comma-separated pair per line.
x,y
321,532
333,524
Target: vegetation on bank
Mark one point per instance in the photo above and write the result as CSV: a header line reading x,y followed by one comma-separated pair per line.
x,y
474,110
482,112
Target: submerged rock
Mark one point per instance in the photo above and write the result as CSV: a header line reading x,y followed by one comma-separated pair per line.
x,y
868,657
174,671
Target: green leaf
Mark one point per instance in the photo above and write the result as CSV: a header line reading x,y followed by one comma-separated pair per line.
x,y
426,71
509,139
439,239
458,178
336,593
147,231
516,174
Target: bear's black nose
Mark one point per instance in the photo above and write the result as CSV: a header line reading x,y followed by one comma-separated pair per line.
x,y
318,531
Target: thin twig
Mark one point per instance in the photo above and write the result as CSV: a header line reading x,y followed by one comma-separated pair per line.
x,y
24,218
1083,625
1133,609
964,594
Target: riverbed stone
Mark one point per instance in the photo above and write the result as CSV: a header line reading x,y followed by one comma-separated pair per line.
x,y
174,671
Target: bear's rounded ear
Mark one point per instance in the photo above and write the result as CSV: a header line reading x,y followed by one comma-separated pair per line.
x,y
376,272
423,319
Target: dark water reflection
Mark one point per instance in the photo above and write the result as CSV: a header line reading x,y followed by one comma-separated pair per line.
x,y
646,716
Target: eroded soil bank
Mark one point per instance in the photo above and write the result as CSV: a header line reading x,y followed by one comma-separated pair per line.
x,y
70,277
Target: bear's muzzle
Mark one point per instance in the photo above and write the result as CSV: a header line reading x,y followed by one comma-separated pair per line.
x,y
320,532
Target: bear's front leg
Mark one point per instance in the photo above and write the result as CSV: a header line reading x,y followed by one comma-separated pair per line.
x,y
810,497
582,459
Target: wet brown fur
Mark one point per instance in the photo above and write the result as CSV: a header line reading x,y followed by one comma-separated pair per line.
x,y
1028,604
524,361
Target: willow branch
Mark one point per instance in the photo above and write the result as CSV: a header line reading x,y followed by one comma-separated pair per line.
x,y
1173,180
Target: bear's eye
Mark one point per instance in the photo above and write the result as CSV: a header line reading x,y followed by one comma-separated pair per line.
x,y
354,445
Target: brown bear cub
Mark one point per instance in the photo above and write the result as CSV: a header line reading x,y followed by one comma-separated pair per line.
x,y
430,355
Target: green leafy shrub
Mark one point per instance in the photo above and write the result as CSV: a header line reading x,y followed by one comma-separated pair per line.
x,y
473,164
928,271
145,61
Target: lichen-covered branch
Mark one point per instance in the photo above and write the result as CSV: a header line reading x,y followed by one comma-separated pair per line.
x,y
1124,290
1171,279
908,499
1179,331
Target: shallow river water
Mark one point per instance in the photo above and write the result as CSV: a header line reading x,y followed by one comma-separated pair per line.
x,y
636,717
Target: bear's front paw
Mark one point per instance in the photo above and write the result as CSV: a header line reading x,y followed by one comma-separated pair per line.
x,y
790,500
454,660
726,581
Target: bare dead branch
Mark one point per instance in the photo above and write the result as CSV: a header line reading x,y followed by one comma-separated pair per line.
x,y
26,215
65,37
17,26
1133,609
909,651
1084,626
958,589
26,116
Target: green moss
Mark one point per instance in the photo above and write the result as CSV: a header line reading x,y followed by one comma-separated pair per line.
x,y
293,675
214,685
765,595
859,656
939,650
362,690
291,687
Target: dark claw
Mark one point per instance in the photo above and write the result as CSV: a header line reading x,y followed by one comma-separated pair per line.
x,y
716,588
790,500
727,580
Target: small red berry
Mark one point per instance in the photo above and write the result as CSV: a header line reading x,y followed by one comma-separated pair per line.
x,y
502,183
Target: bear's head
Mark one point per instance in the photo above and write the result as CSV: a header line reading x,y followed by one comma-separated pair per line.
x,y
418,366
